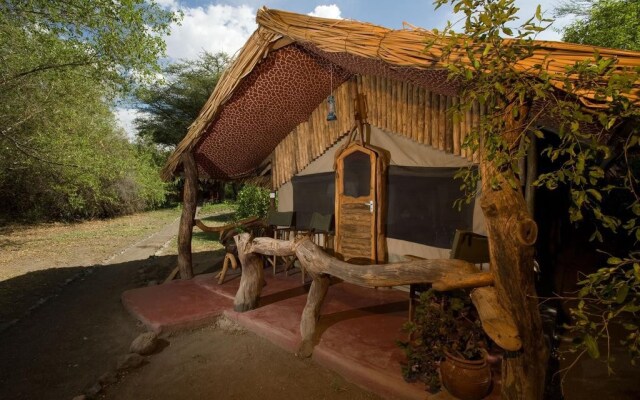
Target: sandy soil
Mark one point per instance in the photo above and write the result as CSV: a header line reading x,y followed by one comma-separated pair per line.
x,y
222,363
78,329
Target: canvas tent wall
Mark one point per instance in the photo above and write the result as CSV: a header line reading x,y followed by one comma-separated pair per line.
x,y
421,219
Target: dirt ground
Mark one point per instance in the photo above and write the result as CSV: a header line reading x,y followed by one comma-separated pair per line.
x,y
77,330
221,363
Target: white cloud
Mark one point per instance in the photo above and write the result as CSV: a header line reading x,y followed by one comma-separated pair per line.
x,y
172,4
125,118
326,11
214,28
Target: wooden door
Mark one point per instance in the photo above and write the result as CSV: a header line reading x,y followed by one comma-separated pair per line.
x,y
358,204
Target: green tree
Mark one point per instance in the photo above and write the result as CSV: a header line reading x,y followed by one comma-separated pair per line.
x,y
61,154
607,23
170,106
492,72
117,41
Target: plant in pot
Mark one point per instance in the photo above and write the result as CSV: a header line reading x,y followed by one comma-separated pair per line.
x,y
447,346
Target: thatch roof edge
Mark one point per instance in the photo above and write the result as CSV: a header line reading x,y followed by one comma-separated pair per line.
x,y
395,47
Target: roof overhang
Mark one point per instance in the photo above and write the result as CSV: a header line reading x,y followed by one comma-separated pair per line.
x,y
292,62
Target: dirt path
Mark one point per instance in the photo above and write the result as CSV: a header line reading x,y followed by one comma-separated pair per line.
x,y
62,346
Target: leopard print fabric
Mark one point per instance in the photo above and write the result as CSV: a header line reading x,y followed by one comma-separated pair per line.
x,y
273,99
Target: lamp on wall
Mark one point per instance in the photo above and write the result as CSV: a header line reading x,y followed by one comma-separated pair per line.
x,y
332,108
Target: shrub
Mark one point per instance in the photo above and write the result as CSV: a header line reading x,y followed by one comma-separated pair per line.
x,y
252,201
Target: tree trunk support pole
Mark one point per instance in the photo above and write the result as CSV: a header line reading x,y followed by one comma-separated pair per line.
x,y
512,232
189,204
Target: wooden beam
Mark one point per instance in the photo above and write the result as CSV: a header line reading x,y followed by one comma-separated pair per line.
x,y
512,233
451,282
214,229
189,204
496,321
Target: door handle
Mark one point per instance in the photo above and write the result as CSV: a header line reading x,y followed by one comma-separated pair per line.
x,y
370,204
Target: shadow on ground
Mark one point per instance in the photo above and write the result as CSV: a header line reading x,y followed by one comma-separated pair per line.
x,y
61,328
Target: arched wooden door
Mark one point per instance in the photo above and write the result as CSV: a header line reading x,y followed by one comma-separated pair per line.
x,y
360,180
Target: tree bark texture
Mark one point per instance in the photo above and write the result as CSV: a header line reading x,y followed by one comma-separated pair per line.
x,y
311,313
189,205
512,234
496,321
252,278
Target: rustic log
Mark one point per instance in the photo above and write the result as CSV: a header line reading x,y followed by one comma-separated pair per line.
x,y
511,233
496,321
215,229
311,313
469,281
189,205
229,259
444,274
316,261
252,278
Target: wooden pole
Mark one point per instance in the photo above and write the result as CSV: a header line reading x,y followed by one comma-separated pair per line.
x,y
189,204
512,233
311,313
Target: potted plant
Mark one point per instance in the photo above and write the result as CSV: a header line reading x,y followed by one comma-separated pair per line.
x,y
448,346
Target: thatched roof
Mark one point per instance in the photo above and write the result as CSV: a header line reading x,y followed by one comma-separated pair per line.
x,y
292,62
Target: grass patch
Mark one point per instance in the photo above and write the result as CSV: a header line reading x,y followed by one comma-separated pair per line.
x,y
212,215
25,248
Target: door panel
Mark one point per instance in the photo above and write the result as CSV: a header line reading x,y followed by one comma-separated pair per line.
x,y
356,224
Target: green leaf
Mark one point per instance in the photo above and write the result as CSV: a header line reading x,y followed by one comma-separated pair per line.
x,y
591,346
621,296
614,261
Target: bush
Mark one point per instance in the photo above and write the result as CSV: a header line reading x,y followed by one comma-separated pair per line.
x,y
252,201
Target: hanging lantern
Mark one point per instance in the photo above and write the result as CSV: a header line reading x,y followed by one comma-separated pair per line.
x,y
332,108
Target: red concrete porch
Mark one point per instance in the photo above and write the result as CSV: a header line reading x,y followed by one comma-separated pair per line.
x,y
357,330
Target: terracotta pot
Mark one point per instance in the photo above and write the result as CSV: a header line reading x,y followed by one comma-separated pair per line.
x,y
465,379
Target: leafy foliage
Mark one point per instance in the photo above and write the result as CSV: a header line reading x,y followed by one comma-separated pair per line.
x,y
117,42
61,153
443,322
607,23
609,296
170,106
594,151
253,200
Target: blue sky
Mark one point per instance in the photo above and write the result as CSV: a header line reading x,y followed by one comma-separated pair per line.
x,y
225,25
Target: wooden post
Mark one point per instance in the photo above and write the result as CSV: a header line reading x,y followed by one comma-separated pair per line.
x,y
189,203
252,278
512,233
311,313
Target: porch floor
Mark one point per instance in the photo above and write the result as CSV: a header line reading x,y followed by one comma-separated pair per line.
x,y
357,329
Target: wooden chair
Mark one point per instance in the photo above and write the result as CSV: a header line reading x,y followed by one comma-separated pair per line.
x,y
467,246
321,229
283,226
